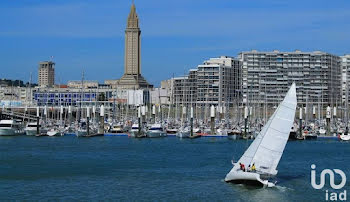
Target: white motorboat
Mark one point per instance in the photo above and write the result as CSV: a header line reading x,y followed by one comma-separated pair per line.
x,y
344,137
10,128
266,150
135,131
55,132
156,130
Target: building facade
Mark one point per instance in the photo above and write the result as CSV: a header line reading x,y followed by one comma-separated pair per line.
x,y
266,77
218,81
345,66
89,96
15,94
87,84
215,82
46,74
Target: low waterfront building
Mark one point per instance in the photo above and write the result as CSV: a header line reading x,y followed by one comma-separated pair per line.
x,y
18,95
78,84
64,96
76,96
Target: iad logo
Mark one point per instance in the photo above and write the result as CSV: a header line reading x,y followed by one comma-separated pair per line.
x,y
333,196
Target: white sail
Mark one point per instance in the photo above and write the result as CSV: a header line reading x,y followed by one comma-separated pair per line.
x,y
266,150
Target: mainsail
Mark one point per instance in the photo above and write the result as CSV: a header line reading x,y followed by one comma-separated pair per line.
x,y
267,148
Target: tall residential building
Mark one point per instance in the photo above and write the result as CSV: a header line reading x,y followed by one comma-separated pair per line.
x,y
218,81
215,82
46,74
345,65
132,78
266,77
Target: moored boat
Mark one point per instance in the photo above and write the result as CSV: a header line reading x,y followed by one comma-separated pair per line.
x,y
116,128
11,128
31,129
184,133
136,132
234,134
344,137
156,130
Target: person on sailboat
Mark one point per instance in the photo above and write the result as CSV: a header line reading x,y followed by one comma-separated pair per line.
x,y
242,166
253,169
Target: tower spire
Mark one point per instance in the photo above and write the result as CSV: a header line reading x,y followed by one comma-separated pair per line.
x,y
133,20
132,78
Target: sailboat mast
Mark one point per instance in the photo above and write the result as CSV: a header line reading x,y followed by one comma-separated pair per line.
x,y
81,95
346,104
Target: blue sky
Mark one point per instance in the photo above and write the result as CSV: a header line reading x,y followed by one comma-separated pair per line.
x,y
176,35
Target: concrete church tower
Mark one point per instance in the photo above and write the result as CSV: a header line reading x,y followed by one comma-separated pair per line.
x,y
132,78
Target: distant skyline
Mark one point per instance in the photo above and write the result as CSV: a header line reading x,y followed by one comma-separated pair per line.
x,y
176,35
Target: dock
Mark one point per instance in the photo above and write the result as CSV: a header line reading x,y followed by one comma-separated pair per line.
x,y
195,135
41,135
94,135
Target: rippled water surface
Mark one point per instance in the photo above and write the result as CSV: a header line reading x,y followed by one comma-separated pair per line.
x,y
121,168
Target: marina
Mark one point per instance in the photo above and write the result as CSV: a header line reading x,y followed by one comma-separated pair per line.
x,y
102,120
225,101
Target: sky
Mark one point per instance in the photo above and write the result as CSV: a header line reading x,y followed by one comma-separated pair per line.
x,y
88,35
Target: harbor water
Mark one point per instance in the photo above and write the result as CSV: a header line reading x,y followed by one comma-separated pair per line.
x,y
170,169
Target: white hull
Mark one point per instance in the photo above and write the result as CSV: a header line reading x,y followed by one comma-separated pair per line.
x,y
81,133
266,150
31,132
185,134
156,134
221,132
238,176
10,132
345,137
54,133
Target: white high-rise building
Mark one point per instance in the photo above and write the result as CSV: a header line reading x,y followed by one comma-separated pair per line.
x,y
266,77
215,82
345,64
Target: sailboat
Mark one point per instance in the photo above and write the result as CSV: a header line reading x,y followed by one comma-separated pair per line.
x,y
266,150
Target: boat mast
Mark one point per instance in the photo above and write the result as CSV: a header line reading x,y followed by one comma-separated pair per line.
x,y
346,104
81,96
